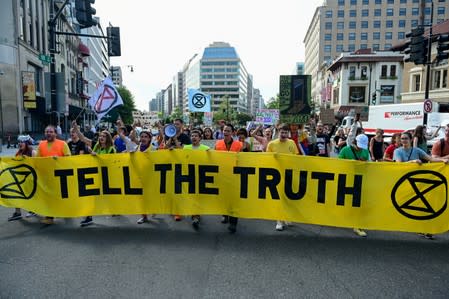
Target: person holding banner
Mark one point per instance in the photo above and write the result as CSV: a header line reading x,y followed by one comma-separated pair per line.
x,y
52,147
25,150
283,145
195,136
230,145
357,151
104,146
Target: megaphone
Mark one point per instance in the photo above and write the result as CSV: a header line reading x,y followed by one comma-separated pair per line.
x,y
170,130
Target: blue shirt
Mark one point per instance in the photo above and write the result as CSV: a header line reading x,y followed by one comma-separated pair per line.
x,y
404,155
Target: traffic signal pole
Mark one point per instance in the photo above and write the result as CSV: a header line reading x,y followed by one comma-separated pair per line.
x,y
429,62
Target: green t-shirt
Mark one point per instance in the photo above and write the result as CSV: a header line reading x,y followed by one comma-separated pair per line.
x,y
348,153
100,151
200,147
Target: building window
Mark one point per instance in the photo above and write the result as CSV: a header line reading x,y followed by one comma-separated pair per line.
x,y
351,47
328,36
440,79
390,12
328,25
339,48
401,35
341,2
376,24
414,23
353,13
388,35
392,71
403,1
351,36
364,36
364,72
340,25
383,72
352,25
327,58
327,48
363,46
376,35
389,23
352,72
364,24
401,23
415,11
387,94
378,2
377,12
365,12
387,47
365,2
427,11
353,2
390,1
328,13
416,82
357,94
340,36
441,10
402,11
341,13
376,47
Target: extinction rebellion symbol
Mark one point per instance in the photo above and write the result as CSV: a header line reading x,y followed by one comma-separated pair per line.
x,y
199,100
21,182
420,195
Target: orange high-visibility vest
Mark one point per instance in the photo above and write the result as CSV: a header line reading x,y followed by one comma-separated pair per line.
x,y
236,146
56,149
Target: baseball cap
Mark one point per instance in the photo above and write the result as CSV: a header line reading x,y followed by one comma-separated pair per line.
x,y
362,141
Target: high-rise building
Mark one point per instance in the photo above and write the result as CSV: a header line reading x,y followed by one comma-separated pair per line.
x,y
348,25
299,69
223,75
116,75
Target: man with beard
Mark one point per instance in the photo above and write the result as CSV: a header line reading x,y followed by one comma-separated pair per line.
x,y
52,147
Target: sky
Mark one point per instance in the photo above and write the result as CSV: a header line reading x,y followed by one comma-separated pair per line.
x,y
159,36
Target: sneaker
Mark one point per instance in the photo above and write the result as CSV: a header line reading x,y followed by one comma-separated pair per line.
x,y
177,218
360,232
87,221
232,228
196,223
429,237
224,219
279,226
48,221
15,216
30,214
142,220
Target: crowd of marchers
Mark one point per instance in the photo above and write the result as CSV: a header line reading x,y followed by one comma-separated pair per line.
x,y
313,138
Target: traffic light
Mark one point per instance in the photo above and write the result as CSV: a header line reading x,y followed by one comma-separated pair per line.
x,y
113,41
373,98
443,47
416,50
84,13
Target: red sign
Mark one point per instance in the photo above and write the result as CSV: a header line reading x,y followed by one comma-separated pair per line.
x,y
428,106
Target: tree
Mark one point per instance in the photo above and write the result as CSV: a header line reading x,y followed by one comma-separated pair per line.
x,y
242,118
225,111
176,113
126,110
273,103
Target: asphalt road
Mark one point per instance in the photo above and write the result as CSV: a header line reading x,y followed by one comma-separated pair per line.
x,y
165,259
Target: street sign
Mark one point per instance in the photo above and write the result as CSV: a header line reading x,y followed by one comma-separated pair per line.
x,y
46,59
428,106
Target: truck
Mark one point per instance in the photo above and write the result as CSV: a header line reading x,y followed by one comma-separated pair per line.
x,y
397,118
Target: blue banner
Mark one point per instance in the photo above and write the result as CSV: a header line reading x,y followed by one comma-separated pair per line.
x,y
198,101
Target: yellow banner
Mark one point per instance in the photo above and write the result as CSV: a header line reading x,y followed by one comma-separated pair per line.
x,y
324,191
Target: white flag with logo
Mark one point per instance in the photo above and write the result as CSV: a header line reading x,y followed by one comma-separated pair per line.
x,y
105,98
198,101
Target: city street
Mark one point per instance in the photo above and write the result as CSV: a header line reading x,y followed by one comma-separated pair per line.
x,y
116,257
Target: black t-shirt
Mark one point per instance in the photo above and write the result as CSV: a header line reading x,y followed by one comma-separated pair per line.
x,y
322,140
183,139
77,147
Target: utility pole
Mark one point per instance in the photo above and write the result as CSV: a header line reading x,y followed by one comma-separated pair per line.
x,y
428,63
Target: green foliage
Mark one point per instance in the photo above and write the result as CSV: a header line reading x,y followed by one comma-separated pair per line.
x,y
242,118
225,111
273,103
176,113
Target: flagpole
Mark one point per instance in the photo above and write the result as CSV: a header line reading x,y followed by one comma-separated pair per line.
x,y
84,108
